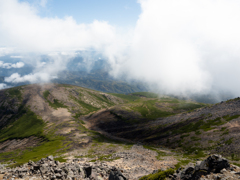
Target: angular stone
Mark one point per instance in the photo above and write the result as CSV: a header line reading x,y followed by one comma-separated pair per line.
x,y
50,158
116,175
82,172
188,173
44,169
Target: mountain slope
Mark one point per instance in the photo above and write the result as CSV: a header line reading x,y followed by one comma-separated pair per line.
x,y
212,128
45,119
39,120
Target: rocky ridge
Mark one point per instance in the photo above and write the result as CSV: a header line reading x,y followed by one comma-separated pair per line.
x,y
215,167
48,168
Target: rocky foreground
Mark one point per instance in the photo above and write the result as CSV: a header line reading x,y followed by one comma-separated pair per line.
x,y
213,168
48,168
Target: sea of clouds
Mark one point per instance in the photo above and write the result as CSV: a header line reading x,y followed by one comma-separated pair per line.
x,y
178,47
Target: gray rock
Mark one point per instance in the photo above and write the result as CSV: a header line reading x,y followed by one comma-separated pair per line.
x,y
58,175
50,158
213,164
44,169
116,175
188,173
82,172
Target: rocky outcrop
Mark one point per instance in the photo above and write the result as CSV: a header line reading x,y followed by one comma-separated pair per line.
x,y
48,168
214,167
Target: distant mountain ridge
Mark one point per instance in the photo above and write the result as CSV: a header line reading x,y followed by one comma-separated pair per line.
x,y
101,81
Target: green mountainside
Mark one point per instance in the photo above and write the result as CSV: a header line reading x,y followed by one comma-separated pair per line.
x,y
56,119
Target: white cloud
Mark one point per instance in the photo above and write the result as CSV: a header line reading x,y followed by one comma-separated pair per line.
x,y
185,46
5,51
16,57
44,72
22,28
4,86
11,65
177,46
32,78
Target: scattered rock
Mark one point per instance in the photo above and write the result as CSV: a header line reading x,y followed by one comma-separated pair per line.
x,y
214,167
49,169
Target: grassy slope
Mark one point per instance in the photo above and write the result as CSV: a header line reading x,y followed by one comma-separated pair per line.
x,y
193,135
151,106
56,104
25,123
203,133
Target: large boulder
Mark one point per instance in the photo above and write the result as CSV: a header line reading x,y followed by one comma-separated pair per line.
x,y
188,173
213,164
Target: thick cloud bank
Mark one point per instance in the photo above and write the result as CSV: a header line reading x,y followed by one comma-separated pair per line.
x,y
177,46
24,32
186,46
22,28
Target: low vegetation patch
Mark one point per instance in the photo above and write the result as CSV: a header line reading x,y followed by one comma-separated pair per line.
x,y
188,106
182,162
60,159
126,97
56,104
223,128
193,152
149,110
27,125
229,118
15,92
159,153
54,146
101,98
194,138
87,107
104,158
160,175
201,124
184,135
145,94
198,132
230,141
225,133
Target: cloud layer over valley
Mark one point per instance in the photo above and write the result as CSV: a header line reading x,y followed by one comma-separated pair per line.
x,y
178,47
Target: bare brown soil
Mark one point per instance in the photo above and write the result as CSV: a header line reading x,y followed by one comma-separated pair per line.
x,y
14,144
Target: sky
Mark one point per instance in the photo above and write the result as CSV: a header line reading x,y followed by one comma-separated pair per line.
x,y
179,47
121,13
